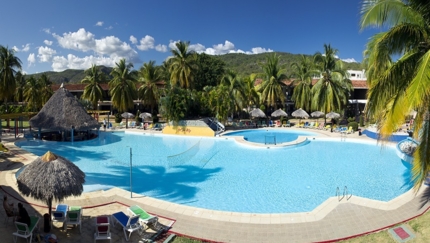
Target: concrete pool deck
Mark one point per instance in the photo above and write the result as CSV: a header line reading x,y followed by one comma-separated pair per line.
x,y
332,220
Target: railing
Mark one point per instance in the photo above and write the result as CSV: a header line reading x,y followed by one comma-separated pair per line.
x,y
343,195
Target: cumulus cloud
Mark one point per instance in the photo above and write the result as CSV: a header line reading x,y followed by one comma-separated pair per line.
x,y
31,59
99,23
221,49
199,48
47,42
45,54
109,47
161,48
349,60
146,43
60,63
133,39
24,48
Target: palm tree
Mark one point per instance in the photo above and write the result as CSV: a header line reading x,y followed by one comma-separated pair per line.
x,y
149,76
20,83
251,96
219,101
32,94
122,87
44,85
93,91
302,74
182,65
8,65
331,91
398,87
235,90
273,83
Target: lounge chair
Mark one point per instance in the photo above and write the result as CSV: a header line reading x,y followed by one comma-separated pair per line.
x,y
74,216
157,127
129,224
102,229
271,124
121,125
286,124
327,127
320,126
308,125
60,213
25,231
144,217
349,131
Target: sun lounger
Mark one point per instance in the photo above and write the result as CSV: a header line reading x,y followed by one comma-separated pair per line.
x,y
60,213
144,217
129,224
102,229
73,217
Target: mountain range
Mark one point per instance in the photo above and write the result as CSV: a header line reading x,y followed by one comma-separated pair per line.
x,y
243,64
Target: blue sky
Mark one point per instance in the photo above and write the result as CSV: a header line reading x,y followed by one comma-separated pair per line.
x,y
58,35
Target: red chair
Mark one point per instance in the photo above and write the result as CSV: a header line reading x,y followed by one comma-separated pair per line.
x,y
102,229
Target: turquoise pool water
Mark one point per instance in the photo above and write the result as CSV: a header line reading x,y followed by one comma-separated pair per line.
x,y
270,136
220,174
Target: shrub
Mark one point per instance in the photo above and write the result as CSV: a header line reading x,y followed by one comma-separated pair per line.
x,y
118,118
354,125
351,119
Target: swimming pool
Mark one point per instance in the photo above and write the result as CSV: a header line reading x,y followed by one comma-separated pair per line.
x,y
270,136
221,174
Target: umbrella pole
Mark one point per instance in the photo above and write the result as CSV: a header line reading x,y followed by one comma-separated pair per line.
x,y
50,206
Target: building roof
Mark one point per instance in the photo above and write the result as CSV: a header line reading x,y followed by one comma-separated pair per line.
x,y
357,84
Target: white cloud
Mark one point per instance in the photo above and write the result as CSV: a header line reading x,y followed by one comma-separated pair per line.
x,y
161,48
24,48
349,60
220,48
108,47
47,42
146,43
99,23
31,59
79,41
45,54
199,48
47,30
109,28
172,44
60,63
133,39
258,50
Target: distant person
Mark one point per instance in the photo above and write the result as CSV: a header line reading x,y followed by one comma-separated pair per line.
x,y
8,207
104,124
333,122
23,216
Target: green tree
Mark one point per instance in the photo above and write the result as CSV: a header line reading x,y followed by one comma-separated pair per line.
x,y
251,96
220,102
175,104
93,92
273,83
20,83
9,63
182,65
44,84
209,71
395,88
149,77
331,91
122,87
32,94
302,75
235,91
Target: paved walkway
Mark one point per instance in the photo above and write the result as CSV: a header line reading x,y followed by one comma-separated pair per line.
x,y
330,221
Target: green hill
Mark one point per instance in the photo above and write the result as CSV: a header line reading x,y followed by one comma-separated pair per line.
x,y
243,64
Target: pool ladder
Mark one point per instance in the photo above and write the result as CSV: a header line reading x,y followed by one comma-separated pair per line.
x,y
343,195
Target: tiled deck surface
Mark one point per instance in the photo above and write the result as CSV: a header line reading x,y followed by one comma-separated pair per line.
x,y
330,221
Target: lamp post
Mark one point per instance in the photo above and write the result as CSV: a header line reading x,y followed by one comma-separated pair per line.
x,y
131,173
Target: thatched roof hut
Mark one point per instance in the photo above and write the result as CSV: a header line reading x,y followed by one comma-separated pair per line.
x,y
51,177
63,112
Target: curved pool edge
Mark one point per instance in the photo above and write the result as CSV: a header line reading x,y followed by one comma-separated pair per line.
x,y
322,215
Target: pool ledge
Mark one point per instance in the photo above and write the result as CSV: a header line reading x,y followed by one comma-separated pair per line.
x,y
301,140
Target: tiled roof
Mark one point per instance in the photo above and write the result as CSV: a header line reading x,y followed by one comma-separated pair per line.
x,y
357,84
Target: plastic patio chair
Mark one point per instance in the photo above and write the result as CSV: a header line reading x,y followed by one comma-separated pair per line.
x,y
24,231
59,215
102,229
129,224
74,217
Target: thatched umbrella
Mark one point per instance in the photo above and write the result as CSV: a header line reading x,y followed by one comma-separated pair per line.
x,y
257,113
145,115
317,114
63,112
332,115
127,115
279,112
300,113
51,177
